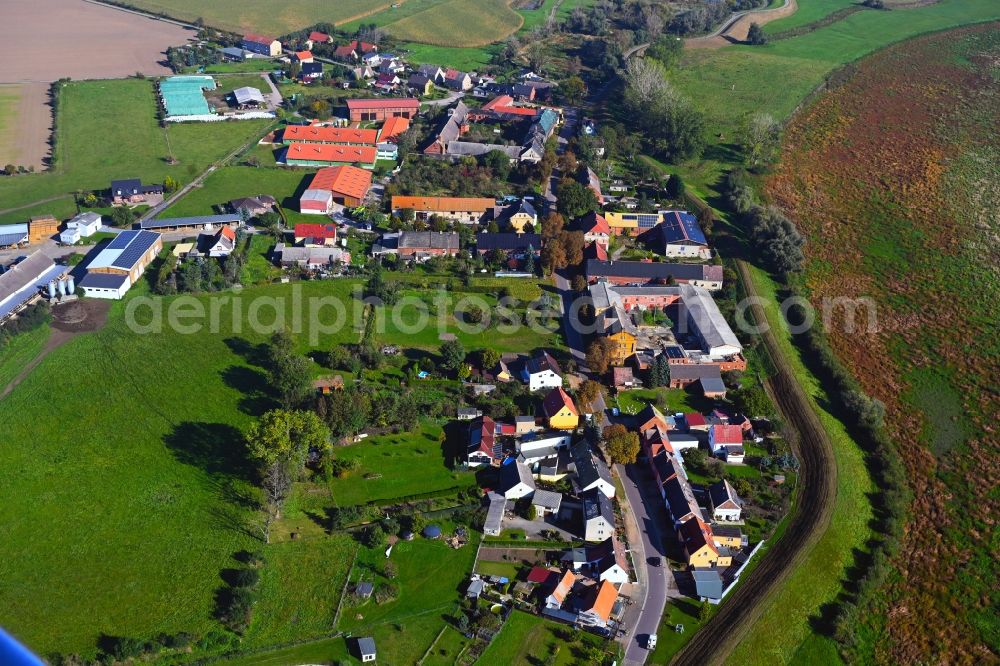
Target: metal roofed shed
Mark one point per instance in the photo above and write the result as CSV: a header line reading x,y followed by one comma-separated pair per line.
x,y
20,283
707,583
248,95
547,501
13,234
494,514
203,221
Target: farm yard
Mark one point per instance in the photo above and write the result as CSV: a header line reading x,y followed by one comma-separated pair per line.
x,y
928,265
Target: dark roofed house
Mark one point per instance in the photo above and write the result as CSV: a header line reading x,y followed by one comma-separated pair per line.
x,y
598,516
517,244
420,84
430,243
726,504
311,71
132,191
365,649
591,472
648,272
684,374
253,206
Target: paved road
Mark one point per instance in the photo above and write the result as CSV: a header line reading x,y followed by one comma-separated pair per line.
x,y
648,510
452,97
574,340
566,132
274,97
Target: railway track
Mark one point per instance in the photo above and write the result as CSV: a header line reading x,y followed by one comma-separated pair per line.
x,y
817,489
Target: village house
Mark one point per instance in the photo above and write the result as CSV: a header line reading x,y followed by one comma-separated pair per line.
x,y
456,80
261,45
726,442
251,207
314,257
302,57
616,325
515,245
453,126
83,225
591,472
514,217
706,375
595,229
317,37
392,128
418,245
695,536
132,191
420,84
708,276
560,411
597,609
516,480
218,244
541,372
315,235
311,71
484,447
321,155
606,561
558,595
546,502
466,210
678,234
726,504
598,516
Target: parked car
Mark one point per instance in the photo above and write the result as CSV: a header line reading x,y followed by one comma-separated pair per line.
x,y
655,561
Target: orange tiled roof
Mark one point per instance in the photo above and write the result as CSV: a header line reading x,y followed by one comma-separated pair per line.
x,y
471,204
348,180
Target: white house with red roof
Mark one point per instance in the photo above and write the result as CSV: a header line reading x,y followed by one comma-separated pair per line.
x,y
726,442
562,589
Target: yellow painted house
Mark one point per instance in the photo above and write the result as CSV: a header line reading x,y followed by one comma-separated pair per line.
x,y
516,216
560,410
621,331
622,224
697,539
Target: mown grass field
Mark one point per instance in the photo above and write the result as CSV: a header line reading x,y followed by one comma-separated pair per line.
x,y
526,639
808,12
398,465
263,16
459,23
731,83
18,351
108,129
230,182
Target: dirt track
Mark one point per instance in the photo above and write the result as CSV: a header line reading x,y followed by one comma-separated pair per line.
x,y
736,31
817,491
45,40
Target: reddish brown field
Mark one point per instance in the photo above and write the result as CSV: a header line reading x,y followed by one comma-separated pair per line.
x,y
45,40
895,180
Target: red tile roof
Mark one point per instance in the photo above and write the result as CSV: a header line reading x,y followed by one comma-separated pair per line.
x,y
258,39
316,36
604,601
695,534
694,419
727,434
303,55
347,135
316,231
539,575
227,232
564,586
345,180
344,51
384,103
324,152
393,127
595,250
505,104
556,400
592,223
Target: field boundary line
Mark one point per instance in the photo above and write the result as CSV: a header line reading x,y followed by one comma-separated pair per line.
x,y
343,590
430,647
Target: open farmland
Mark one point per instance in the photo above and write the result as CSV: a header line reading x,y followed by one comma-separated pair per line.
x,y
461,23
893,177
264,16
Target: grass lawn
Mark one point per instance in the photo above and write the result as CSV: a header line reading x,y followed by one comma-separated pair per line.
x,y
464,58
446,650
730,83
431,575
401,326
527,639
506,569
328,650
18,351
252,65
396,466
668,640
807,12
677,400
231,182
258,269
300,589
107,130
229,82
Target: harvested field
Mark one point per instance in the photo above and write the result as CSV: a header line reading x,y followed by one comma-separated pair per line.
x,y
462,23
265,16
25,124
894,177
118,44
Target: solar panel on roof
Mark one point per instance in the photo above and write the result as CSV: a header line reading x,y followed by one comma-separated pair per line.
x,y
121,241
674,352
134,251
